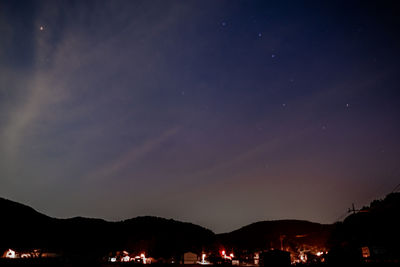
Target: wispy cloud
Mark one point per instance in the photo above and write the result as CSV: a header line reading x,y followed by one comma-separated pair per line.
x,y
51,92
114,166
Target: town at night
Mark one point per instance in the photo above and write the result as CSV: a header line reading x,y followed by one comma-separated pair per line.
x,y
199,132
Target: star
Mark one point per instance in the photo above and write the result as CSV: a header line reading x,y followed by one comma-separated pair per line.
x,y
273,55
41,28
259,34
223,23
347,105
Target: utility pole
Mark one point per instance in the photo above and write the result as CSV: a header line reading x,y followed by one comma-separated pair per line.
x,y
353,209
281,237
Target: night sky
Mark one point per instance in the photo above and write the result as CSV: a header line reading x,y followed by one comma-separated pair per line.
x,y
220,113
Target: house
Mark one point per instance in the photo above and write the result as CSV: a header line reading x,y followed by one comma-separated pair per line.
x,y
190,258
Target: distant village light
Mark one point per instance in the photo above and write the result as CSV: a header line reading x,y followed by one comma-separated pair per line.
x,y
256,258
365,252
126,258
10,254
303,257
143,257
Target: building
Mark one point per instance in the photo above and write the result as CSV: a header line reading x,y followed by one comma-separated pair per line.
x,y
190,258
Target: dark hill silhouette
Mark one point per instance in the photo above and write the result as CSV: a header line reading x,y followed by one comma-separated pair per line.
x,y
268,234
22,223
24,228
376,227
20,211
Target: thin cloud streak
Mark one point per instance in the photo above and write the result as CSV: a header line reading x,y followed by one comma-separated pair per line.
x,y
114,166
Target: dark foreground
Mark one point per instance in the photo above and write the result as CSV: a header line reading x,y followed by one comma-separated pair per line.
x,y
60,262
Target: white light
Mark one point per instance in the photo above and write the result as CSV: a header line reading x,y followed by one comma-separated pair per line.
x,y
113,259
126,259
143,257
10,254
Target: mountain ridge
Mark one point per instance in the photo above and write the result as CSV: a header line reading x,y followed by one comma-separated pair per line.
x,y
158,236
38,213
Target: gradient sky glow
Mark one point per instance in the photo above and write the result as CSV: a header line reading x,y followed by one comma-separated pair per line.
x,y
220,113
